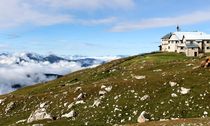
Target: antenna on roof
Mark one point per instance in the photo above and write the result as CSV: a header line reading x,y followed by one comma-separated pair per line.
x,y
178,28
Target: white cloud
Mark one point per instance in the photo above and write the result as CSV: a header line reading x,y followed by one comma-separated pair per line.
x,y
11,74
105,21
90,4
15,13
192,18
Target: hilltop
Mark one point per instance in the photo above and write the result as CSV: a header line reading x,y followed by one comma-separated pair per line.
x,y
165,85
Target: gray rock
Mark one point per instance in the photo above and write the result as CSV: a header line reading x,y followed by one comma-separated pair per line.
x,y
142,118
9,106
39,114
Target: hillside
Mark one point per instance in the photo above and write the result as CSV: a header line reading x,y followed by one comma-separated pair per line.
x,y
165,85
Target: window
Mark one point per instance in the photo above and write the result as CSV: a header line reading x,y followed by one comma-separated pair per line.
x,y
177,41
207,41
182,47
207,47
168,47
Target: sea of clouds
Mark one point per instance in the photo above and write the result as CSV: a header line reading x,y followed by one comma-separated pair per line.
x,y
18,69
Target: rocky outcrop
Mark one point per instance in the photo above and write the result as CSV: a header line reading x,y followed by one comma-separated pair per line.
x,y
39,114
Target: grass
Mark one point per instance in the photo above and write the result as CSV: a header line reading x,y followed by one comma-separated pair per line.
x,y
124,100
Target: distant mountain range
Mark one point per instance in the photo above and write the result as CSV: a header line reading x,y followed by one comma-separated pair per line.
x,y
33,57
30,68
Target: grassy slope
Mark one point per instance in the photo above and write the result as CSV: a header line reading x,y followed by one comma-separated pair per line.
x,y
119,74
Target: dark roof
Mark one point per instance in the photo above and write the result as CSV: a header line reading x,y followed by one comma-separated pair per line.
x,y
167,36
192,45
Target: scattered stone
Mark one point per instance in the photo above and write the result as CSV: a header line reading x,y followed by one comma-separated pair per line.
x,y
103,86
142,118
144,97
205,113
9,107
69,115
65,93
39,114
102,93
65,104
158,70
1,100
77,89
80,96
79,102
139,77
163,120
122,120
174,95
184,90
117,109
96,102
37,125
70,105
188,65
174,118
21,121
196,67
42,105
108,89
172,84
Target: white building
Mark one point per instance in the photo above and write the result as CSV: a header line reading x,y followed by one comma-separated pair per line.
x,y
190,43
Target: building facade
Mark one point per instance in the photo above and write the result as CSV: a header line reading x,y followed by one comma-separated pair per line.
x,y
190,43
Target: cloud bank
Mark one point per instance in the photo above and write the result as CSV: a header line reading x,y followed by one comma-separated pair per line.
x,y
23,69
186,19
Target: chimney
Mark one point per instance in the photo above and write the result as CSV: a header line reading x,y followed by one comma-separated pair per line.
x,y
178,28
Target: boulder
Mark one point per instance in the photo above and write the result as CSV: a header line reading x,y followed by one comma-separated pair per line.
x,y
144,97
172,84
101,93
10,106
96,103
1,101
184,90
69,115
142,117
39,114
108,89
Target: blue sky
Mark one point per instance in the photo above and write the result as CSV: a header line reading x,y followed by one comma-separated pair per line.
x,y
96,27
